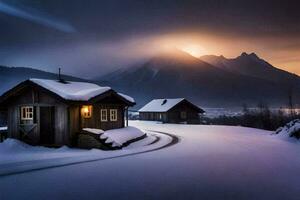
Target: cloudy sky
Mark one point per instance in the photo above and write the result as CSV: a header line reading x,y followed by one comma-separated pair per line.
x,y
91,37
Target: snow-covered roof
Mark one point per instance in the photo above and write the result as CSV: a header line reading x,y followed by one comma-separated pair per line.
x,y
75,91
160,105
128,98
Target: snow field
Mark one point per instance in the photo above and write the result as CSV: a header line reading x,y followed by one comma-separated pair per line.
x,y
19,157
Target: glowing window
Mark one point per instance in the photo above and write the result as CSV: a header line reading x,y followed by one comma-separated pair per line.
x,y
27,113
86,111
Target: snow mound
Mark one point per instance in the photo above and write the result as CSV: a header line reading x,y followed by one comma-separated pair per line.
x,y
120,136
94,130
3,128
13,144
291,129
9,142
117,137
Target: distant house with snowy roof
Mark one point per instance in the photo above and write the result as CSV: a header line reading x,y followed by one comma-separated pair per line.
x,y
177,110
52,112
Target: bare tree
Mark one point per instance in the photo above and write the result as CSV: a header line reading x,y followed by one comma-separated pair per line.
x,y
245,110
291,105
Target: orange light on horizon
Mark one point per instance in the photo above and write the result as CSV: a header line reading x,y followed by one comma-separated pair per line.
x,y
194,50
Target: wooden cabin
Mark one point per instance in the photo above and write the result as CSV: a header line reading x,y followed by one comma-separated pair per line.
x,y
177,110
52,112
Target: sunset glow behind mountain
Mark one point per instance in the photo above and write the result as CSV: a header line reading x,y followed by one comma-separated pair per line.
x,y
97,37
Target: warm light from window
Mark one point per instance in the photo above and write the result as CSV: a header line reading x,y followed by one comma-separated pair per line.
x,y
27,113
86,111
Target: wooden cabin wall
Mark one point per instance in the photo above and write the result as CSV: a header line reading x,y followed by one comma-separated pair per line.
x,y
25,98
13,119
37,98
62,136
3,116
95,120
174,114
111,124
74,122
145,116
61,122
153,116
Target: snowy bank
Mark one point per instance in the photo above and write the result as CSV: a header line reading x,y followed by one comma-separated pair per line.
x,y
122,135
3,128
117,137
291,129
13,145
94,130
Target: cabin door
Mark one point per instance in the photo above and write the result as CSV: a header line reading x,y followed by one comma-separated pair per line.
x,y
47,125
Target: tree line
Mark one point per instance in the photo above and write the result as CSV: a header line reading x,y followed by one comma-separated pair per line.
x,y
260,117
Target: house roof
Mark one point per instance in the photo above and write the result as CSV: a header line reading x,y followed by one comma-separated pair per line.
x,y
164,105
72,91
76,91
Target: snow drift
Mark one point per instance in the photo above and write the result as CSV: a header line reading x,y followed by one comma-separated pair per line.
x,y
118,137
291,129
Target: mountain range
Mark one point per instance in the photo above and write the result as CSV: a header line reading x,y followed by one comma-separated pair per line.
x,y
212,81
209,81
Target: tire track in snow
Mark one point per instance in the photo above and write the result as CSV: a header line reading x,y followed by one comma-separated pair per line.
x,y
20,168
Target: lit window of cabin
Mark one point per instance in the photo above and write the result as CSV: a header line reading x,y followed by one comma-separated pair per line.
x,y
86,111
27,113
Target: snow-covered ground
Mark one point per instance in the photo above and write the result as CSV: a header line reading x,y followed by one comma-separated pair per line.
x,y
209,162
18,157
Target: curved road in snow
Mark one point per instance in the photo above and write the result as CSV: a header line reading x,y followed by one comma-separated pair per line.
x,y
35,165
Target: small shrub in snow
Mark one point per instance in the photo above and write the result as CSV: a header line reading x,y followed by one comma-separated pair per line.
x,y
291,129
